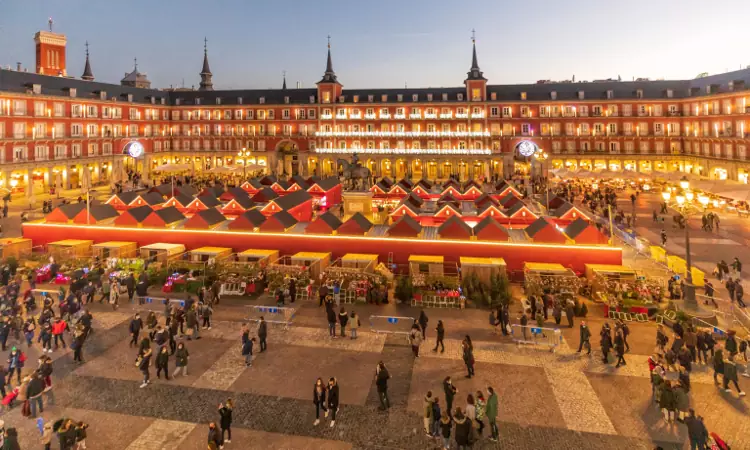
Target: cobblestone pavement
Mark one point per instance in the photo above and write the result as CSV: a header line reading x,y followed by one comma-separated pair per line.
x,y
561,400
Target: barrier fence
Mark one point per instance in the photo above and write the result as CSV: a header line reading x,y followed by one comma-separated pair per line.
x,y
545,337
157,304
274,315
391,324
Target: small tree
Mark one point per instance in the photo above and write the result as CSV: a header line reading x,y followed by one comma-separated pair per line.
x,y
404,289
12,264
500,292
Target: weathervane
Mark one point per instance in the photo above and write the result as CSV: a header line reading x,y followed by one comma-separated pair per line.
x,y
50,22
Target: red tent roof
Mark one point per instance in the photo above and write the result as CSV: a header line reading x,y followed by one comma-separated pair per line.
x,y
454,228
490,230
405,227
356,225
247,221
327,223
278,223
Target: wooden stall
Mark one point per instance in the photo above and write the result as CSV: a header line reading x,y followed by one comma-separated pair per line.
x,y
484,268
260,256
317,262
115,249
425,264
364,261
162,252
204,254
15,247
70,248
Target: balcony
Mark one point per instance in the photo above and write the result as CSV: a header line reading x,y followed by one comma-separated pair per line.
x,y
369,116
385,116
462,116
399,116
415,116
477,116
355,116
430,116
326,116
446,116
674,114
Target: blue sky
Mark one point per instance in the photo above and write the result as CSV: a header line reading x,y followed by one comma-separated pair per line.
x,y
386,43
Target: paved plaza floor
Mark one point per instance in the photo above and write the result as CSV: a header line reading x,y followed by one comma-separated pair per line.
x,y
561,400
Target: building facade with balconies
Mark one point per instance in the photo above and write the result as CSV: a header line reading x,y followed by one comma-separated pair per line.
x,y
55,129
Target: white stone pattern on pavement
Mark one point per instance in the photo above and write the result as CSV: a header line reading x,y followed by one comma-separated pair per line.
x,y
162,435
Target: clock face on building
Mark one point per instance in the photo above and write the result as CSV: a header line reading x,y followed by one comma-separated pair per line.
x,y
526,148
134,149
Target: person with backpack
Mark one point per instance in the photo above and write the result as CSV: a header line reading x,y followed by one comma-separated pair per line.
x,y
381,381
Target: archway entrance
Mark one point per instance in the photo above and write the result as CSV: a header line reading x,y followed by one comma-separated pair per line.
x,y
288,161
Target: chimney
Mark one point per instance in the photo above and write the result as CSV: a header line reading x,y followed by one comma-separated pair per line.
x,y
18,67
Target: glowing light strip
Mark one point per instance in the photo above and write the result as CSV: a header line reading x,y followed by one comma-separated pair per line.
x,y
406,151
402,134
313,236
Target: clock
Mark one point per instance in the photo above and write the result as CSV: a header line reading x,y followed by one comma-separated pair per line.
x,y
526,148
135,149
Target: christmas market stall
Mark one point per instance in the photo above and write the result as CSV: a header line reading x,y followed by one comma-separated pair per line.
x,y
161,252
432,281
317,262
14,247
244,276
358,278
281,273
551,278
115,249
484,268
70,248
620,288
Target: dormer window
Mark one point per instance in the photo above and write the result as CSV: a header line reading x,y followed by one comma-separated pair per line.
x,y
239,100
581,95
341,99
429,97
460,97
523,96
639,93
312,99
218,100
400,97
553,95
670,93
415,97
286,100
355,99
370,98
610,94
445,97
383,98
262,101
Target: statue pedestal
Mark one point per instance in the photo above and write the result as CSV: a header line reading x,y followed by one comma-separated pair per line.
x,y
357,202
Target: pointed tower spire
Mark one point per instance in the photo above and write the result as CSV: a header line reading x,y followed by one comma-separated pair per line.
x,y
283,86
330,75
206,83
88,75
474,73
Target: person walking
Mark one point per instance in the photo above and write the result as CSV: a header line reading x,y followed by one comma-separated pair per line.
x,y
427,412
16,361
730,288
333,399
730,375
423,323
467,350
262,333
739,292
585,336
34,392
247,351
79,337
697,432
718,363
353,325
343,320
491,413
136,325
480,406
606,343
415,339
440,329
58,328
162,362
319,399
181,356
569,313
620,349
191,321
225,421
450,393
381,382
143,362
709,289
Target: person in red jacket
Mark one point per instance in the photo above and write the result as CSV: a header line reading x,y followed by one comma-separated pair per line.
x,y
58,328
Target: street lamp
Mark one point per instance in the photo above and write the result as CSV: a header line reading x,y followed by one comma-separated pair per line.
x,y
244,154
685,206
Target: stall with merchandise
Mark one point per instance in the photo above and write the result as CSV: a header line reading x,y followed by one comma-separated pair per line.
x,y
115,249
433,282
358,279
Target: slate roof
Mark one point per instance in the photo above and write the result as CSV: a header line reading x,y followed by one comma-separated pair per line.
x,y
415,200
211,216
72,209
327,222
209,200
562,209
216,191
266,194
515,208
300,180
153,198
127,197
452,223
575,228
406,223
406,184
186,189
356,224
426,185
103,212
244,201
140,213
487,223
292,199
485,199
387,181
255,217
537,226
169,214
284,218
183,199
328,183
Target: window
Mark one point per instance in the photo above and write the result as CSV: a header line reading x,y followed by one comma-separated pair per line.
x,y
285,114
311,113
19,153
596,110
91,130
400,97
429,97
19,107
76,151
523,96
76,130
91,111
40,108
525,128
41,153
639,93
415,97
612,128
40,130
553,95
494,111
445,97
610,94
627,110
460,97
262,100
75,111
658,128
507,111
271,114
581,95
476,95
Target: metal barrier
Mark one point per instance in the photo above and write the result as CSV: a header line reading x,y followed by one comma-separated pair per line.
x,y
157,303
437,301
275,315
237,288
741,317
716,331
546,337
391,324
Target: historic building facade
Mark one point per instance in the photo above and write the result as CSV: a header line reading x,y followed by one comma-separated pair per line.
x,y
65,132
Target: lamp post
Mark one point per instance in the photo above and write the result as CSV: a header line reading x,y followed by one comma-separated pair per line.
x,y
244,154
684,204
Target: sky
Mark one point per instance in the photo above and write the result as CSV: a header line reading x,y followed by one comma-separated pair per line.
x,y
385,43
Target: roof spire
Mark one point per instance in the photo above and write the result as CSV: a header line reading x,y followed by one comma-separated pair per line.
x,y
330,75
283,86
88,75
135,65
474,73
206,84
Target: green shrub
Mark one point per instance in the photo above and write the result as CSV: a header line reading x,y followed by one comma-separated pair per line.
x,y
404,290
